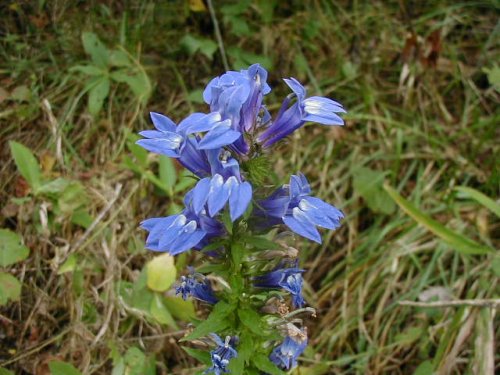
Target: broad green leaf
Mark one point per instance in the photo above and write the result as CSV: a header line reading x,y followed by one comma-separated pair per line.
x,y
82,218
217,321
160,312
89,70
180,309
4,371
263,363
161,272
97,95
493,76
458,242
62,368
140,154
118,367
11,248
251,320
96,49
10,288
486,201
119,58
135,360
261,243
138,82
168,174
368,183
72,198
27,164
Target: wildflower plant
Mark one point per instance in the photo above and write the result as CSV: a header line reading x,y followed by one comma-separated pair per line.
x,y
241,222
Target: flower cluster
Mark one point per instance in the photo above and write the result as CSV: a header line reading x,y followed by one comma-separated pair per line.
x,y
220,148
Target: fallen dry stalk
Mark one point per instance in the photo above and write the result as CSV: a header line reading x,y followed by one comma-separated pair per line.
x,y
493,303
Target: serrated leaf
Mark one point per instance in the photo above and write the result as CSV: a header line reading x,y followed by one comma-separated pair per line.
x,y
263,363
26,163
10,288
251,320
62,368
456,241
96,49
11,248
216,322
160,312
97,94
161,272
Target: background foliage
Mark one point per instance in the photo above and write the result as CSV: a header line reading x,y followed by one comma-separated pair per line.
x,y
415,169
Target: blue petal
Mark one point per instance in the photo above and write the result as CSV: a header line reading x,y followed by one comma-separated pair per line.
x,y
189,121
300,224
170,234
162,122
164,146
219,136
189,237
325,118
241,195
200,194
296,87
218,195
205,123
152,134
323,213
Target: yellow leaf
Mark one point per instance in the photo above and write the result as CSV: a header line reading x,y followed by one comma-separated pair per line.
x,y
161,272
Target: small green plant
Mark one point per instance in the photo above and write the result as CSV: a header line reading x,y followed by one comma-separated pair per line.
x,y
12,251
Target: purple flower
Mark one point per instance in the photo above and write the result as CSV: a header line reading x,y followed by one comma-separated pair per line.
x,y
222,354
285,355
237,96
178,233
289,279
315,109
293,205
225,185
197,286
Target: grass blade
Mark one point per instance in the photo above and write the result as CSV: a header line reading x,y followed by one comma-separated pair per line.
x,y
458,242
486,201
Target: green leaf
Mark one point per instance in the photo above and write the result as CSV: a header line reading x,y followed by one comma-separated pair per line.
x,y
261,243
245,350
10,288
96,49
138,82
97,94
135,360
26,163
251,320
4,371
486,201
62,368
194,44
82,218
54,187
161,313
89,70
69,265
11,248
263,363
161,272
216,322
119,58
180,309
72,198
168,175
458,242
425,368
201,355
368,183
493,76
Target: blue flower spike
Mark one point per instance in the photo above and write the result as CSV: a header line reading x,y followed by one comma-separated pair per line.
x,y
197,286
285,355
221,355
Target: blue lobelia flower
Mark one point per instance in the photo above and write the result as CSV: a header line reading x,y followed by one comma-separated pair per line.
x,y
224,185
315,109
290,279
197,286
171,140
222,354
238,96
285,355
178,233
293,205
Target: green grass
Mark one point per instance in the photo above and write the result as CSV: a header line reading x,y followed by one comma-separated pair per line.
x,y
424,124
